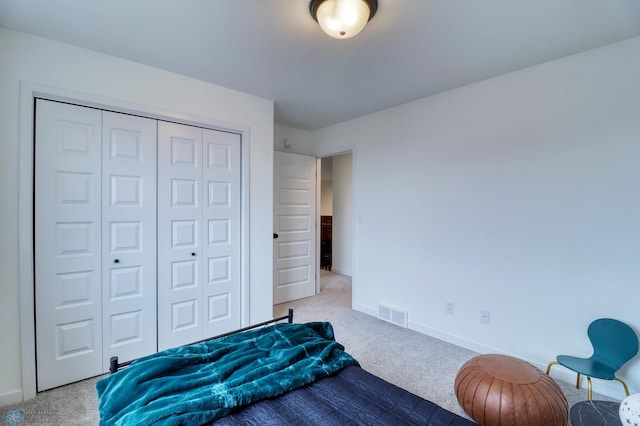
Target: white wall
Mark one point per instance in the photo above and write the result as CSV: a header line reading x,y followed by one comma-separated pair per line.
x,y
300,141
326,197
44,62
518,195
342,227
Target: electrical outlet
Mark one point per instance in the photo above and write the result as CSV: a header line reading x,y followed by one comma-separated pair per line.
x,y
449,308
485,316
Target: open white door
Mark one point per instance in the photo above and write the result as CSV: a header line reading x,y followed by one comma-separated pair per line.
x,y
294,254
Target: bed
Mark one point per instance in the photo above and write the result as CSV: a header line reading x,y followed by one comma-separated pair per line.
x,y
270,374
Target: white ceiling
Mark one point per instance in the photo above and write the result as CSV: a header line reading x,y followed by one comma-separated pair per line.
x,y
275,50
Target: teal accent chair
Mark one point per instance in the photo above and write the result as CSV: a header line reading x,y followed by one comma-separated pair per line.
x,y
614,343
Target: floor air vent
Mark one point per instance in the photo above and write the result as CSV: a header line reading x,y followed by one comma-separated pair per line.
x,y
393,315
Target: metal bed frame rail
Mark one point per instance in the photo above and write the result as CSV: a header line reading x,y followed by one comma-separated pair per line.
x,y
114,366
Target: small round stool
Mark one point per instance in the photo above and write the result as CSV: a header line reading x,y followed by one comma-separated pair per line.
x,y
506,391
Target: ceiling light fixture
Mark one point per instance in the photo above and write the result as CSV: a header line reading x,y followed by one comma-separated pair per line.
x,y
343,18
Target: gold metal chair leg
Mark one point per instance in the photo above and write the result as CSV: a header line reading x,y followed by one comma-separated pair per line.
x,y
626,389
589,385
549,366
578,381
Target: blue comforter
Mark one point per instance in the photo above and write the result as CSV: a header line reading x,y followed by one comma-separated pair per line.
x,y
197,384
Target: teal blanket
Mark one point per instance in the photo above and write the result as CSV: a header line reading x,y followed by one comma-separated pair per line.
x,y
199,383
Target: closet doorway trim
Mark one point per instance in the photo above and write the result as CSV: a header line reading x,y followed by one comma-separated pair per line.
x,y
29,92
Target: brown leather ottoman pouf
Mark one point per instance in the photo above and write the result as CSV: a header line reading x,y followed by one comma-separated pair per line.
x,y
499,390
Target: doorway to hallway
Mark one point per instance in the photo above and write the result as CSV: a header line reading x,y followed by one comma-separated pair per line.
x,y
332,205
336,213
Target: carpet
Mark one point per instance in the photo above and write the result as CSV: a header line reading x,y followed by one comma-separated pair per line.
x,y
418,363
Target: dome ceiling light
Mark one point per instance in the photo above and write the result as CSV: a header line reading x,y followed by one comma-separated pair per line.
x,y
343,18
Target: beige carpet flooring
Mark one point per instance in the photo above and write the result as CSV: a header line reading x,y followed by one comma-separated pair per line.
x,y
413,361
421,364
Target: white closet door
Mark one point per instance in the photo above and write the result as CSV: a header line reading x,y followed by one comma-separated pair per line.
x,y
137,229
129,236
198,233
221,248
68,243
179,234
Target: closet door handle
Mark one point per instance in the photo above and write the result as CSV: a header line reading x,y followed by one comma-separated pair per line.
x,y
193,254
116,260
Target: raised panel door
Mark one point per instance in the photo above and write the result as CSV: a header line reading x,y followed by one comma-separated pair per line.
x,y
179,234
294,222
221,229
129,236
68,243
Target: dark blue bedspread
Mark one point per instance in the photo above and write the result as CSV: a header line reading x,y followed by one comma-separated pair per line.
x,y
350,397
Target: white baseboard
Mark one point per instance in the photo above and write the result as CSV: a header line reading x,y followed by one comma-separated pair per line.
x,y
365,310
611,389
455,340
10,398
341,271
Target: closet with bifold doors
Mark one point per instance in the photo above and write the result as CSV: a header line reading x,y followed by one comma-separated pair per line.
x,y
198,233
137,237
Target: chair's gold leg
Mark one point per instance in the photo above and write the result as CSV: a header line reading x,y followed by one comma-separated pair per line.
x,y
626,389
589,392
549,366
578,381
